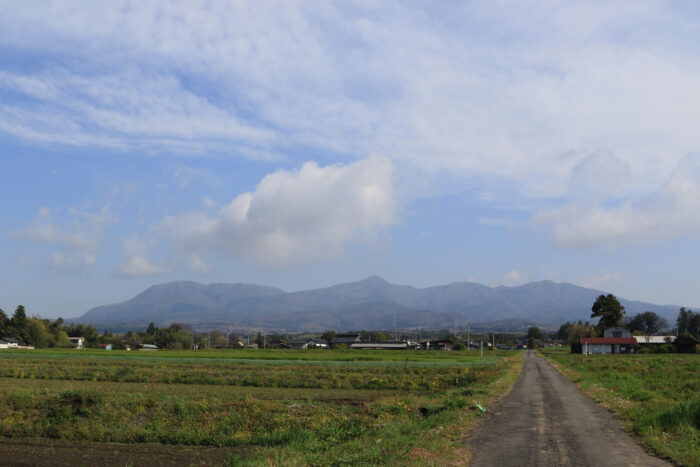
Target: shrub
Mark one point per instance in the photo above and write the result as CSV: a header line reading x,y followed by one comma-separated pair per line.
x,y
666,348
685,343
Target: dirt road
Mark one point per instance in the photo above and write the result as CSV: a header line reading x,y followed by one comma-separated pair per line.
x,y
546,421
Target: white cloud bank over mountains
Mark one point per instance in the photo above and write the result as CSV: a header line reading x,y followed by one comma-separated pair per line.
x,y
292,217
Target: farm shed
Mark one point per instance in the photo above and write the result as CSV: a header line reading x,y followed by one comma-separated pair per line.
x,y
654,340
347,339
404,345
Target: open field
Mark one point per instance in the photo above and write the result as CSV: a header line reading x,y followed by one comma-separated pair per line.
x,y
656,395
282,407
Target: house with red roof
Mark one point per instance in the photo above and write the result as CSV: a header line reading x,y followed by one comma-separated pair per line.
x,y
614,340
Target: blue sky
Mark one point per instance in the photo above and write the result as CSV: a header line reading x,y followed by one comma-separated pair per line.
x,y
302,144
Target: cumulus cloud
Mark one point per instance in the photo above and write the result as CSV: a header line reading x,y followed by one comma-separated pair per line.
x,y
136,262
293,217
78,235
670,212
600,173
598,281
513,277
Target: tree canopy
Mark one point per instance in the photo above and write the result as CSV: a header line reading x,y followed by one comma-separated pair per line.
x,y
648,323
688,321
609,310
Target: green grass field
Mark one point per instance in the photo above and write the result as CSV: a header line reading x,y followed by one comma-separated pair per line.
x,y
658,396
278,407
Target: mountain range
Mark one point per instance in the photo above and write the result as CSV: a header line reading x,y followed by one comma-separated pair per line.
x,y
372,303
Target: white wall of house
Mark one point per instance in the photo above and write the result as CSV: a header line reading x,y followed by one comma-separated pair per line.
x,y
598,348
611,332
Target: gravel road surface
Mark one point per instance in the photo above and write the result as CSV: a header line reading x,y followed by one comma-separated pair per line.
x,y
546,421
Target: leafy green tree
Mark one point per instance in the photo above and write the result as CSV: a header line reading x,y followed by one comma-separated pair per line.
x,y
4,323
576,332
36,333
648,323
328,336
60,339
689,322
563,332
378,336
151,329
260,341
609,310
685,343
694,325
234,342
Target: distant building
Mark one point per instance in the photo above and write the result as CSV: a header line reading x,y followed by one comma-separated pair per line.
x,y
437,344
308,344
654,340
346,339
77,342
105,346
148,347
8,343
615,340
404,345
617,332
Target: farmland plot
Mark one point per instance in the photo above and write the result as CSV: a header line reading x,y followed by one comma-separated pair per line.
x,y
261,407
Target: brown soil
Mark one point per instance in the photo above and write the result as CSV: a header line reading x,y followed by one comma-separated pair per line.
x,y
15,452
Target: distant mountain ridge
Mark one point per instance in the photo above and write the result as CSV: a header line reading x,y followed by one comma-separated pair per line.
x,y
372,303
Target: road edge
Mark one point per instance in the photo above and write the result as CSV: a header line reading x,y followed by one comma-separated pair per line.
x,y
572,377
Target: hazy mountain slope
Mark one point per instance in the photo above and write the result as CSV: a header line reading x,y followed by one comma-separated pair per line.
x,y
166,301
367,304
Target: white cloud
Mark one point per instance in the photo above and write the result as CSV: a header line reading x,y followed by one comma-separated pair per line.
x,y
513,277
126,110
294,217
208,202
488,90
598,281
72,261
136,262
670,212
78,235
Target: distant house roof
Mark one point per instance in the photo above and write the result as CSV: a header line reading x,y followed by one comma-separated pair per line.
x,y
346,338
608,340
379,345
149,346
654,339
10,340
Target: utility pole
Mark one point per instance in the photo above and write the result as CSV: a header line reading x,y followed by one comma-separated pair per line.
x,y
493,340
469,342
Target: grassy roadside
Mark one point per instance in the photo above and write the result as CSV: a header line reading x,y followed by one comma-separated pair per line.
x,y
363,417
657,396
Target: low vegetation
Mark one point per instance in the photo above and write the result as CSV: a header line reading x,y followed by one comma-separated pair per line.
x,y
657,396
278,407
